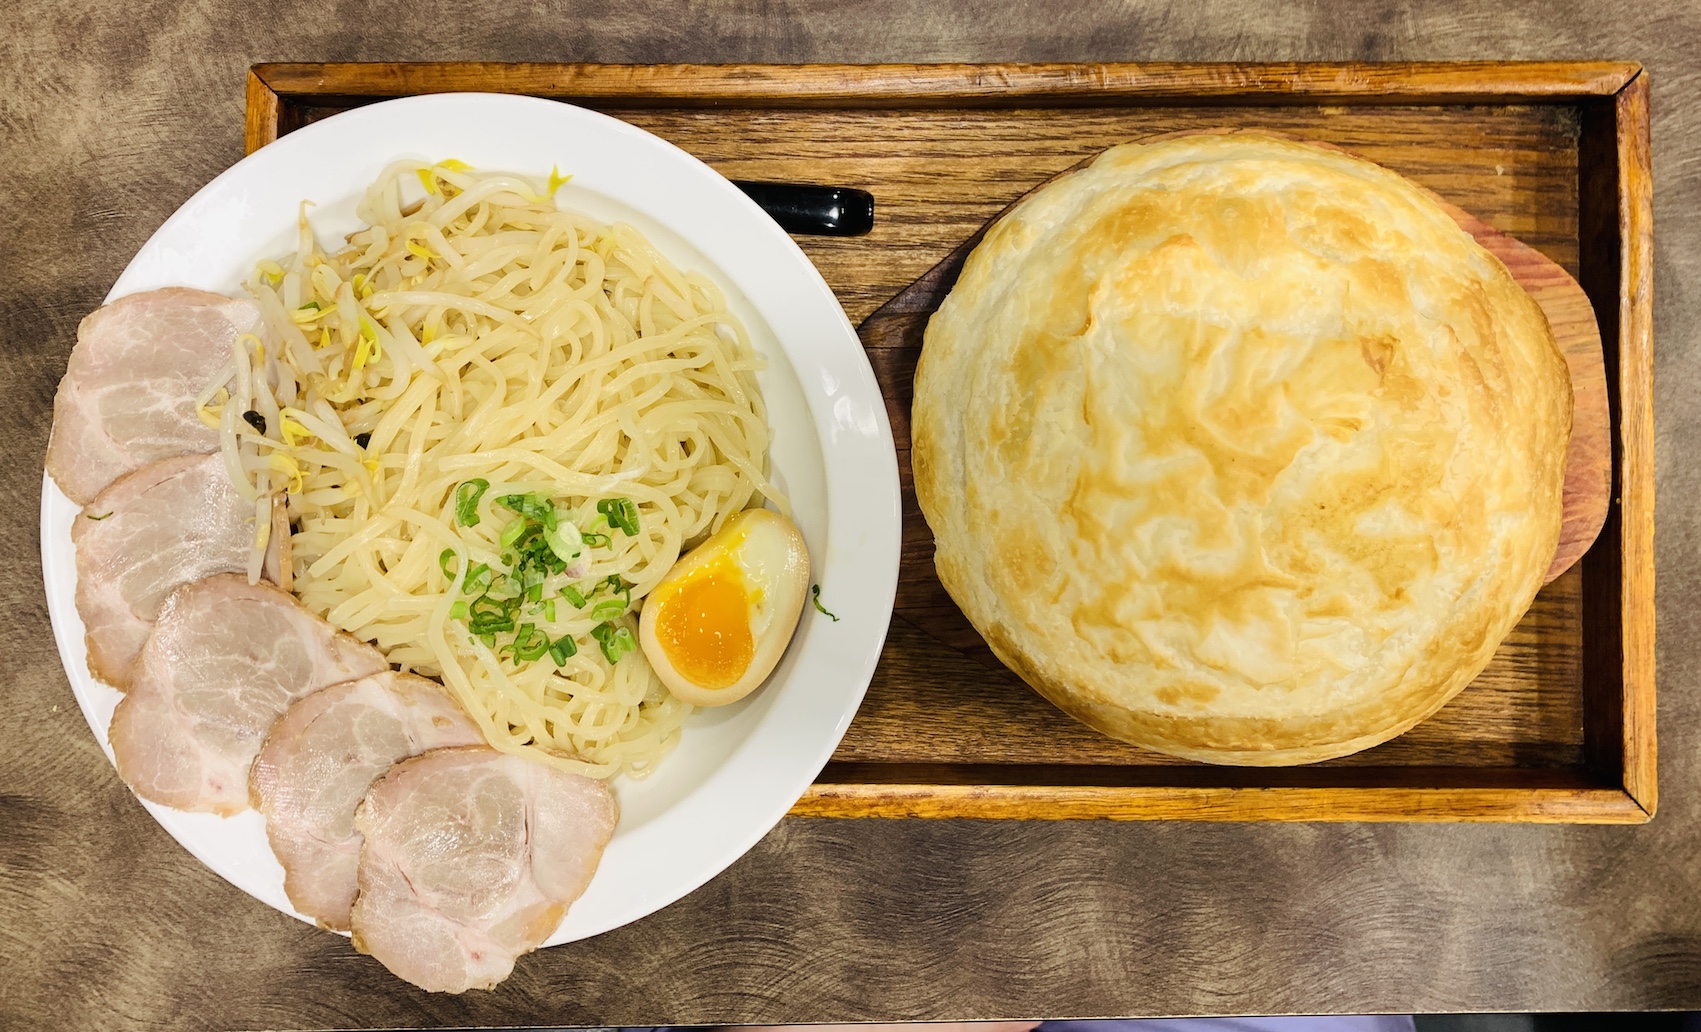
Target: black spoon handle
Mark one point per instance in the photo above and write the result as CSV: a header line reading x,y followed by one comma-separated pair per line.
x,y
815,210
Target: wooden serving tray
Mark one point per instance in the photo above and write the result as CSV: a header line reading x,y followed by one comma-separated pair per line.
x,y
1558,728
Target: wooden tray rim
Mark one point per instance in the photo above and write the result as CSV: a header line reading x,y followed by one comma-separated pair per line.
x,y
957,84
1570,797
1382,804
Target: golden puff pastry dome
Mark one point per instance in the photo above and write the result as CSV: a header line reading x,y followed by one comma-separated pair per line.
x,y
1239,448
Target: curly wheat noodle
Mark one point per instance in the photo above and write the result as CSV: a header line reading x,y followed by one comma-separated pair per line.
x,y
483,332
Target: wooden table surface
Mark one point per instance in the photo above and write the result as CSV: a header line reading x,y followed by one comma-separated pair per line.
x,y
112,115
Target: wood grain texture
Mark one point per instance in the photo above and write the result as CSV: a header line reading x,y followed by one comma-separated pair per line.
x,y
934,702
114,115
960,85
260,123
1616,225
940,174
1636,430
1538,804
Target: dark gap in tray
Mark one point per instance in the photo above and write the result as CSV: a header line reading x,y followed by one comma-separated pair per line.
x,y
1203,776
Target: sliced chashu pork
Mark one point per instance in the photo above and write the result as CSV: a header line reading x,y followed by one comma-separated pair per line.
x,y
151,532
471,858
319,759
128,394
224,661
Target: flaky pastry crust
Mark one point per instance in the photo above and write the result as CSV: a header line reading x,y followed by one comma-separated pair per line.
x,y
1239,448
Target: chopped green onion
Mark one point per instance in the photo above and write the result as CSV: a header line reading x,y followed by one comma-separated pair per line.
x,y
458,611
548,609
593,539
478,579
482,626
514,531
571,594
443,558
486,606
563,650
529,643
564,540
466,501
485,609
534,592
532,506
622,513
608,609
815,596
615,641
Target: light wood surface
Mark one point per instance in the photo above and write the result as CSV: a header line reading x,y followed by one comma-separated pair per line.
x,y
940,169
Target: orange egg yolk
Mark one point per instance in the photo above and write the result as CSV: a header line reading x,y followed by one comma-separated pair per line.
x,y
704,627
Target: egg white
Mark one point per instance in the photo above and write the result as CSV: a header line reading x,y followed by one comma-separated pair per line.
x,y
769,553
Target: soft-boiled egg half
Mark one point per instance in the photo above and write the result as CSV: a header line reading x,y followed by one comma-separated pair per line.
x,y
717,624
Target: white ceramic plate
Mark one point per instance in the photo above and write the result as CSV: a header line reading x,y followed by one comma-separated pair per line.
x,y
739,768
